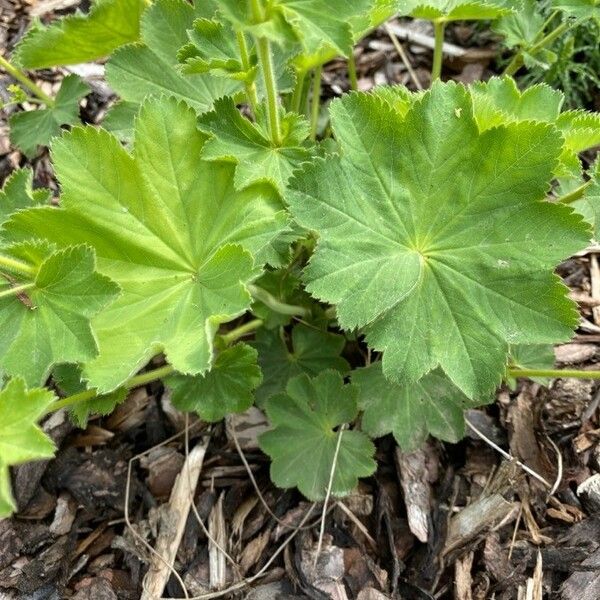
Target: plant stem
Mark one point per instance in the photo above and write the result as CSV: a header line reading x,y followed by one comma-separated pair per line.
x,y
298,91
316,103
276,305
575,195
352,72
554,373
514,65
250,86
132,382
16,266
14,291
438,51
23,79
235,334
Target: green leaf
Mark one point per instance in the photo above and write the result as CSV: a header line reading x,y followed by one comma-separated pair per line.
x,y
535,356
457,10
18,194
151,67
580,128
312,350
440,244
30,129
21,440
68,377
589,205
168,227
50,322
227,388
433,405
582,9
237,139
302,443
120,119
521,28
82,38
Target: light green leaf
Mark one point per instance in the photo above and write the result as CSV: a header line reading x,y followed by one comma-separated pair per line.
x,y
119,120
433,405
303,441
589,205
151,67
68,378
312,351
457,10
50,322
227,388
440,244
18,194
168,227
582,9
580,128
30,129
82,38
237,139
521,28
21,440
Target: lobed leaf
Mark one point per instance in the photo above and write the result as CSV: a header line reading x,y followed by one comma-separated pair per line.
x,y
168,227
589,204
582,9
457,10
17,194
227,388
33,128
82,37
427,225
303,440
21,440
521,28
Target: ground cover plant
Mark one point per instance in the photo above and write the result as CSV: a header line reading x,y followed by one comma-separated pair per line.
x,y
212,236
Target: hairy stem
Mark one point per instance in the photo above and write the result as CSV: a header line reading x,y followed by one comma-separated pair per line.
x,y
15,291
296,101
575,195
316,103
276,305
24,80
132,382
352,72
16,266
438,51
235,334
250,86
554,373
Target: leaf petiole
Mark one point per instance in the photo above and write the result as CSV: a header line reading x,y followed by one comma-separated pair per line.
x,y
554,373
352,72
316,103
235,334
575,195
24,80
438,51
276,305
16,266
250,86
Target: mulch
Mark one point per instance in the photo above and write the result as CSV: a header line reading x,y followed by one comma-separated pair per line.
x,y
448,521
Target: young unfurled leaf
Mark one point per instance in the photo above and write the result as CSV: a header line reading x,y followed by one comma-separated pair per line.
x,y
68,377
49,322
582,9
227,388
18,194
304,438
440,244
456,10
312,351
33,128
237,139
21,440
151,67
168,227
82,38
433,405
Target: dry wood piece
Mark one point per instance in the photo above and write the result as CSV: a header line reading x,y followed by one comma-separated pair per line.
x,y
218,541
173,523
463,581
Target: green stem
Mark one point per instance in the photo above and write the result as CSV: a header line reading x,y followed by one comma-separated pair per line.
x,y
16,266
14,291
250,86
24,80
438,51
276,305
132,382
266,62
235,334
515,64
575,195
316,103
352,72
554,373
296,101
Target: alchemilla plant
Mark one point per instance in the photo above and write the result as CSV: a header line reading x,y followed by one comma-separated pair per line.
x,y
210,226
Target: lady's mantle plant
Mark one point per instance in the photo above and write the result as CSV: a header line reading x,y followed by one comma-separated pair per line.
x,y
427,227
